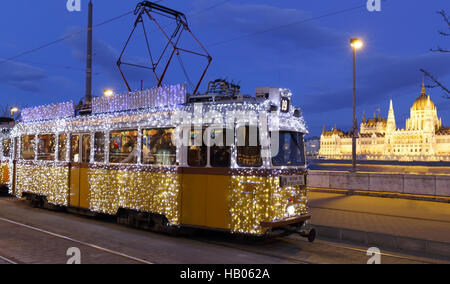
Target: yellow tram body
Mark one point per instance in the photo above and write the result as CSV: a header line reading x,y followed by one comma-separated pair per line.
x,y
4,173
247,200
5,150
205,200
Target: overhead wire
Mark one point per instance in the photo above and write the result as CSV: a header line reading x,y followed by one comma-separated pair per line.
x,y
66,37
286,25
69,36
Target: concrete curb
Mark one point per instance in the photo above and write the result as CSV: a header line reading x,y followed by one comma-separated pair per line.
x,y
381,194
384,240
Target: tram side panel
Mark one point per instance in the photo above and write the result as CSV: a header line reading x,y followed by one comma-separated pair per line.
x,y
205,198
237,202
49,180
4,173
233,202
136,188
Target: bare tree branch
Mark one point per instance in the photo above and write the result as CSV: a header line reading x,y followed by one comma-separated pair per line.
x,y
447,20
427,74
444,15
439,49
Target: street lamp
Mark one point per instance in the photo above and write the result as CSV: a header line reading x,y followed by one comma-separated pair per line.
x,y
108,93
356,44
13,110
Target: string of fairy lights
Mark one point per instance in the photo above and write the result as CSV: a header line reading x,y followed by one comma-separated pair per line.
x,y
255,195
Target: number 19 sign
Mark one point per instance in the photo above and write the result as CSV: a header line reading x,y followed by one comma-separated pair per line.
x,y
285,104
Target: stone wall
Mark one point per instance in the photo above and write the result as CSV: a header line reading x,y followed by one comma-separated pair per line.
x,y
438,185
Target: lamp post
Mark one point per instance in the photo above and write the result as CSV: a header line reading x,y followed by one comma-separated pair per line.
x,y
13,110
356,44
108,93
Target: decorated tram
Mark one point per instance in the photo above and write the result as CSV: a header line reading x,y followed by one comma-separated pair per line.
x,y
163,160
6,125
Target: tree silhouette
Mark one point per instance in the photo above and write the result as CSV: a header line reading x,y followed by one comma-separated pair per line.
x,y
446,19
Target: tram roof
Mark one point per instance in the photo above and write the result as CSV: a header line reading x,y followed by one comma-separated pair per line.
x,y
163,102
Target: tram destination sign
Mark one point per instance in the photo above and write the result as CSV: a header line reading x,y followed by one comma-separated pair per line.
x,y
285,104
296,180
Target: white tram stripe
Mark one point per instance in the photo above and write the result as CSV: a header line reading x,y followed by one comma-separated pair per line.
x,y
77,241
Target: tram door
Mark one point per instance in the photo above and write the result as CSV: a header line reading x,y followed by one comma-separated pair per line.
x,y
80,145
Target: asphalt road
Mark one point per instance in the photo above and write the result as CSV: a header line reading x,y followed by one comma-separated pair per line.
x,y
30,235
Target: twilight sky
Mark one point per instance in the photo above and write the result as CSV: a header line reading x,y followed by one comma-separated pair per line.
x,y
311,57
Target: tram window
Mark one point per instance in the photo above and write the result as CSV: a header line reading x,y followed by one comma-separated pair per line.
x,y
75,149
123,147
158,147
99,147
291,150
28,145
197,150
62,148
248,147
86,148
221,150
46,147
6,148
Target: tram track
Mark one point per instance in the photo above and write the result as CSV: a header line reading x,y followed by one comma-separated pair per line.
x,y
255,251
7,260
296,242
72,240
364,251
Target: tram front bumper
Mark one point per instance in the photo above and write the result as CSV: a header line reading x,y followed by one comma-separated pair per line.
x,y
294,225
285,222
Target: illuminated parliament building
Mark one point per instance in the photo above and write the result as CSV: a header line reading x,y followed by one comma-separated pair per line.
x,y
423,139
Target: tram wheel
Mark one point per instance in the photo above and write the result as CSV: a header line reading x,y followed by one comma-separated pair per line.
x,y
35,201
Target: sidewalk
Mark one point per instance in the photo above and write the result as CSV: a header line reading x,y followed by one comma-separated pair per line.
x,y
411,225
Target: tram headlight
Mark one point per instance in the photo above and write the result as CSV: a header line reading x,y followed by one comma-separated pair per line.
x,y
290,210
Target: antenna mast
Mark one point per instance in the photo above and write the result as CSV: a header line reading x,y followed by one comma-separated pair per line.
x,y
88,95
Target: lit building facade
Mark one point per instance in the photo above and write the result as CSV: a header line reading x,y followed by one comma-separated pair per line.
x,y
423,138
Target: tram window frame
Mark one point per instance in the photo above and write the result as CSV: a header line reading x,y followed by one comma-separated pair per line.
x,y
6,154
214,162
47,156
62,155
33,143
202,162
16,148
86,148
75,150
171,147
247,145
99,150
129,159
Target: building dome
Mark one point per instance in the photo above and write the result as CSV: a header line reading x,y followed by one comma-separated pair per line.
x,y
421,103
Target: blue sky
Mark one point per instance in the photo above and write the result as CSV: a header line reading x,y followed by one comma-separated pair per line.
x,y
312,58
